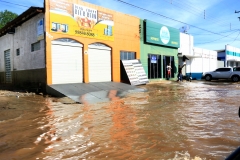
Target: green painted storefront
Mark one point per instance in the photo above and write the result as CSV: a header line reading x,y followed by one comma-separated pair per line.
x,y
159,47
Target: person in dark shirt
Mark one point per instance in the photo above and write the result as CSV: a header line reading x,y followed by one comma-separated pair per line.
x,y
180,72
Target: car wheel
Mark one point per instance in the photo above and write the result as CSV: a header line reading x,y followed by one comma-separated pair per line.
x,y
235,78
208,77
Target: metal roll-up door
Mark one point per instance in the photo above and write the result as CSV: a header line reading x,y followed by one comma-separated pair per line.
x,y
67,66
99,60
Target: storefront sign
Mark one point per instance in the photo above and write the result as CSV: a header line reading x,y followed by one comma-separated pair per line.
x,y
40,32
153,59
70,18
135,72
162,35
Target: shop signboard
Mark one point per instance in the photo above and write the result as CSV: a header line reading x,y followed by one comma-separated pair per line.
x,y
40,32
135,72
153,59
67,17
162,35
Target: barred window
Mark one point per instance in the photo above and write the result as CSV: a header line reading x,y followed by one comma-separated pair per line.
x,y
126,55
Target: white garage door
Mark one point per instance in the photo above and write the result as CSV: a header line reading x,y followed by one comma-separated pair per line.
x,y
99,60
66,62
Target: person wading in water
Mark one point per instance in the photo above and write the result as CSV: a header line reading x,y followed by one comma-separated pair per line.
x,y
180,79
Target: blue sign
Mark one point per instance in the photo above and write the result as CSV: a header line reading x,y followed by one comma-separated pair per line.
x,y
153,59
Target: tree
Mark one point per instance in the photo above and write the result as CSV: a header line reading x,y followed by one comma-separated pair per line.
x,y
5,17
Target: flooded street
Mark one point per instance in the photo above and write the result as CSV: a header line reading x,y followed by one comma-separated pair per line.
x,y
189,120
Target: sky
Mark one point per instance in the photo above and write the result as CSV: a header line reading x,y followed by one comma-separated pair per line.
x,y
212,23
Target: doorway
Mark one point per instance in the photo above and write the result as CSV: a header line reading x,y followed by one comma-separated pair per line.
x,y
154,66
168,60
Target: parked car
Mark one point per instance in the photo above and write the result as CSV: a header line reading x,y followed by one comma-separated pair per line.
x,y
232,73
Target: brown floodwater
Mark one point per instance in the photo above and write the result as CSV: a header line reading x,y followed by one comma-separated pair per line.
x,y
172,121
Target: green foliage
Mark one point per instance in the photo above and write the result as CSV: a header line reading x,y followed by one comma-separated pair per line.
x,y
5,17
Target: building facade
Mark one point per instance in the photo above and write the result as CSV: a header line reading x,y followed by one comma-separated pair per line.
x,y
159,47
22,58
199,60
74,41
71,42
230,56
207,63
85,42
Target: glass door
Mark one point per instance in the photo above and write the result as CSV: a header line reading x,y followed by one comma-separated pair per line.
x,y
154,66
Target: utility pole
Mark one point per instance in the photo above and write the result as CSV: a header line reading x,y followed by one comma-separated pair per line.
x,y
237,12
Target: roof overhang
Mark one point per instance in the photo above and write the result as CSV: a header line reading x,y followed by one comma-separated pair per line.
x,y
233,60
222,50
189,56
25,16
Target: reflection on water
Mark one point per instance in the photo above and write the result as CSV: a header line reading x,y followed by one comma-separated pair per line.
x,y
171,121
103,96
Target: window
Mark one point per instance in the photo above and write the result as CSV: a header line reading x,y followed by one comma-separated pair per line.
x,y
18,51
236,69
125,55
223,69
35,46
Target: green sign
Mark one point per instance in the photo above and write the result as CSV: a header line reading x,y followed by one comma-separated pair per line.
x,y
163,35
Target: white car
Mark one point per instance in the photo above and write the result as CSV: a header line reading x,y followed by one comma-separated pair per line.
x,y
223,73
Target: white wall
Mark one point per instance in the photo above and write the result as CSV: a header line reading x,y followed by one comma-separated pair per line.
x,y
220,64
213,62
24,36
208,62
186,44
196,65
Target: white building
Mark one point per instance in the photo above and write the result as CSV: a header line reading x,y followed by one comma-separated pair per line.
x,y
230,56
200,60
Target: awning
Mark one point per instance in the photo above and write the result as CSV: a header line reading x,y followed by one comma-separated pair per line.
x,y
233,60
189,56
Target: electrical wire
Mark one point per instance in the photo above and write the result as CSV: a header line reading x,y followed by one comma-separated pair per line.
x,y
218,39
223,36
14,4
152,12
196,11
236,37
219,32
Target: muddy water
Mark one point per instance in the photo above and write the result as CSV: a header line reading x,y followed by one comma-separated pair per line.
x,y
172,121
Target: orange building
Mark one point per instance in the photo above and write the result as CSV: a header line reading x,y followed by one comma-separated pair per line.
x,y
85,42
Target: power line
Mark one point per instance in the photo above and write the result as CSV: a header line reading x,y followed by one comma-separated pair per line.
x,y
218,33
236,37
168,17
149,12
219,38
14,4
196,11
